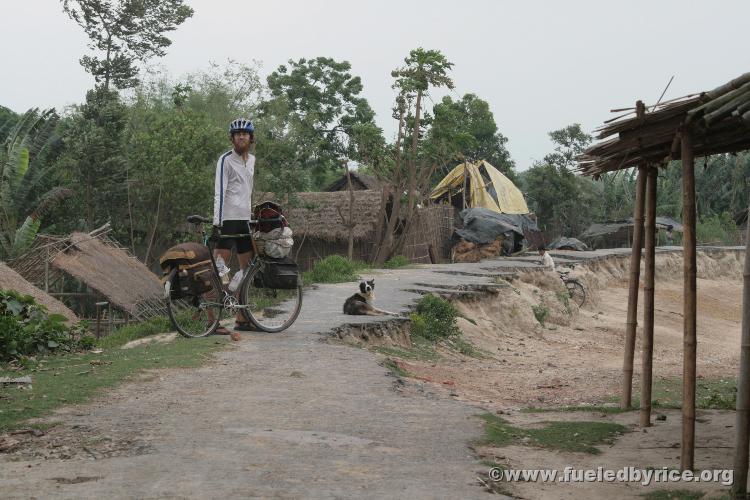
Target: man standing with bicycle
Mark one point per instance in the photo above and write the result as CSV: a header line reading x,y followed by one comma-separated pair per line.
x,y
233,187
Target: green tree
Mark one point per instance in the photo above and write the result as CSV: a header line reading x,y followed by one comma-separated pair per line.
x,y
26,172
94,161
563,201
569,142
322,101
171,156
223,92
467,130
405,170
125,32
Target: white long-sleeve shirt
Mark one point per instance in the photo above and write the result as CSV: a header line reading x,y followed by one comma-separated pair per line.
x,y
233,187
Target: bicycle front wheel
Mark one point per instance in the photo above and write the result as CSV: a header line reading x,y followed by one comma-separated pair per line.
x,y
269,309
194,315
577,292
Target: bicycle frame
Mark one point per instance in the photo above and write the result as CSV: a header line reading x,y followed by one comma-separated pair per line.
x,y
255,264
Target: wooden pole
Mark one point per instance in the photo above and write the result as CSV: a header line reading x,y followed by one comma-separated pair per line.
x,y
689,302
635,276
647,349
742,419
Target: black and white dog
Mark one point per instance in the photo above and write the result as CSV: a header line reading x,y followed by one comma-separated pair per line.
x,y
361,302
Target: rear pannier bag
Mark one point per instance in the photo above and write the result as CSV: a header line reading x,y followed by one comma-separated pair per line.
x,y
278,273
193,264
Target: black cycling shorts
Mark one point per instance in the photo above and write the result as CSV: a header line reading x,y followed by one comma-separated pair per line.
x,y
235,227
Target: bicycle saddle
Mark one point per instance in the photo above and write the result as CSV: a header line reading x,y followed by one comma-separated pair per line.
x,y
197,219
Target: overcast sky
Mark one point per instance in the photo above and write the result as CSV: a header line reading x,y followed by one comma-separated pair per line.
x,y
540,65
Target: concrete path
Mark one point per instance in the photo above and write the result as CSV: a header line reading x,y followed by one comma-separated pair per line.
x,y
279,415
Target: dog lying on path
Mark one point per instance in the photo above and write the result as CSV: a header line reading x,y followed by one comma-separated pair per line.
x,y
361,302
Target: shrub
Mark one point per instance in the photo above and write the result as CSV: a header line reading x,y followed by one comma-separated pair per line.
x,y
717,229
26,329
540,313
435,319
334,269
396,261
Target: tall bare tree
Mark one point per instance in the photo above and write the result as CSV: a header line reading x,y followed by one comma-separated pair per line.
x,y
407,171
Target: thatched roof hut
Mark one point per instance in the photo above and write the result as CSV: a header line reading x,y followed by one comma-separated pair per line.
x,y
360,182
101,264
11,280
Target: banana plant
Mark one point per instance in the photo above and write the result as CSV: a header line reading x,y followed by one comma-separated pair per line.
x,y
21,170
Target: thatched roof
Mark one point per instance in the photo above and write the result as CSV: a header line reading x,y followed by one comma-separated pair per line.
x,y
316,215
11,280
719,120
100,263
360,182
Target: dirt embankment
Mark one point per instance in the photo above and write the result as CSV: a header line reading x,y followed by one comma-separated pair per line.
x,y
576,355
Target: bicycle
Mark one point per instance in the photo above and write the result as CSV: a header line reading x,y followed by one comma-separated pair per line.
x,y
259,299
576,291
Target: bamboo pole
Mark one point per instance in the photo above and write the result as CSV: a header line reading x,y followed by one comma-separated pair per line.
x,y
635,276
689,302
742,419
647,349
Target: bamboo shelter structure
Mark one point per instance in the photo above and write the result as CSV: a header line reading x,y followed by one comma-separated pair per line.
x,y
321,225
107,272
11,280
701,124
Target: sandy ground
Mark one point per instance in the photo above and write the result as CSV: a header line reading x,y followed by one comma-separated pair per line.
x,y
576,359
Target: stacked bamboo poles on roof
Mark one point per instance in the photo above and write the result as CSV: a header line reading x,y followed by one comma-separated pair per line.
x,y
720,120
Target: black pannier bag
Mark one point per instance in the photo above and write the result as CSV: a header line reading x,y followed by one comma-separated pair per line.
x,y
278,273
193,264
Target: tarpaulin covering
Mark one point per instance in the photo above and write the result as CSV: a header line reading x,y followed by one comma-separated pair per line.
x,y
604,228
483,226
485,186
563,243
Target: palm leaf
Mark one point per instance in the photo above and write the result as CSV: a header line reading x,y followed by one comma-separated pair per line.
x,y
50,200
25,236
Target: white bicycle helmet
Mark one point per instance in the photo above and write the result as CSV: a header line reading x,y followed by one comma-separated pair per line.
x,y
241,125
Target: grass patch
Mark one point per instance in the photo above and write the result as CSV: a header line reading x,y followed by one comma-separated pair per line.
x,y
674,495
395,369
710,394
565,436
125,334
76,378
334,269
396,261
421,350
466,348
610,410
666,393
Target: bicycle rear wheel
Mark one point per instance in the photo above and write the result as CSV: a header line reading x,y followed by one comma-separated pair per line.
x,y
195,315
577,292
269,309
